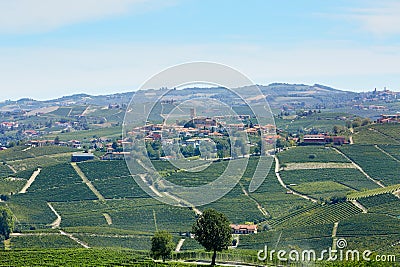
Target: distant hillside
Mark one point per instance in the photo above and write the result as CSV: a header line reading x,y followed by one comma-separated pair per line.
x,y
277,94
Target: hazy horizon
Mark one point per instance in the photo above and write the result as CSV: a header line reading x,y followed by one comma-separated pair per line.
x,y
111,92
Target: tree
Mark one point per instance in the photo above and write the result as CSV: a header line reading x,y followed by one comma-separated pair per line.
x,y
213,232
57,140
6,222
114,145
161,245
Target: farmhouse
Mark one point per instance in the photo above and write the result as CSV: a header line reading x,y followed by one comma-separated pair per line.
x,y
79,156
389,118
74,143
320,139
314,139
244,229
115,155
31,133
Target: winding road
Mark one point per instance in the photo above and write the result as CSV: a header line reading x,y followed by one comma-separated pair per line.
x,y
87,182
30,181
358,167
57,222
277,169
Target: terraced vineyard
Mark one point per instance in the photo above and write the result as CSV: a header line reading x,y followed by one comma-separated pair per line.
x,y
65,186
294,237
352,178
5,171
237,200
61,111
26,158
323,214
384,204
11,185
197,178
393,150
41,161
370,135
136,242
25,152
43,241
304,154
30,212
374,192
374,162
323,190
112,179
376,232
86,135
78,257
390,130
128,217
143,214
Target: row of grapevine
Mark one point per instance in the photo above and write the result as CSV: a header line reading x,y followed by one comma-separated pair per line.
x,y
311,154
374,192
321,215
374,162
77,257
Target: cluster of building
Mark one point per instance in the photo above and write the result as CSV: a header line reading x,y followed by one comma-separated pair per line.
x,y
9,125
370,107
116,154
385,94
321,139
204,127
394,118
40,143
244,229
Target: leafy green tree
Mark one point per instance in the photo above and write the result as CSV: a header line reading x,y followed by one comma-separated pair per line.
x,y
57,140
6,222
213,232
114,145
161,245
365,122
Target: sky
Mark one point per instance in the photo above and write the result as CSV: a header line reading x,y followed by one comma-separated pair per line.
x,y
51,48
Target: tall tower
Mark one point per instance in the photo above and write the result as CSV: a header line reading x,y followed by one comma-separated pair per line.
x,y
192,113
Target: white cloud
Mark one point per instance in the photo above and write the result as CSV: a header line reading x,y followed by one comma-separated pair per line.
x,y
33,16
382,19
